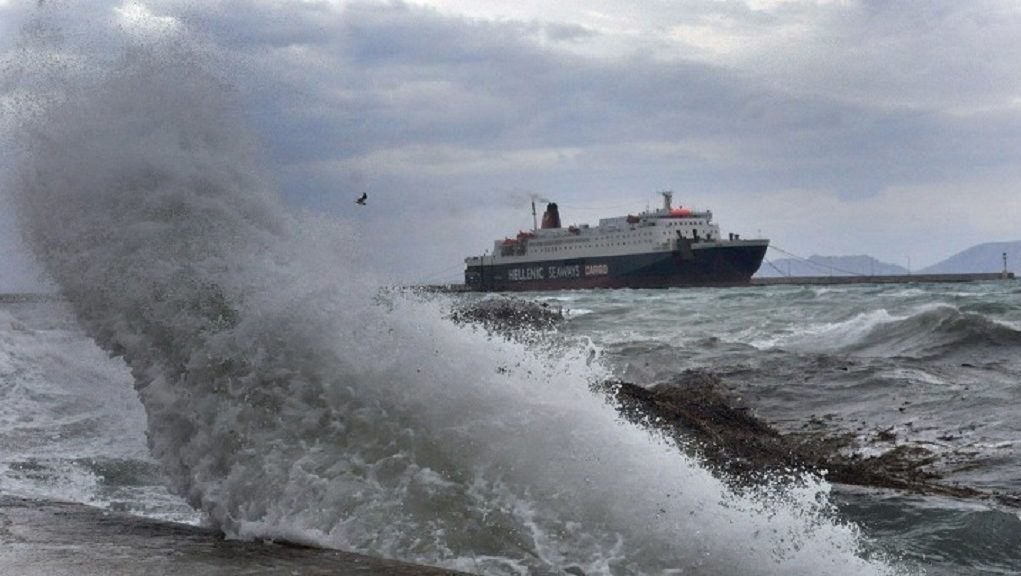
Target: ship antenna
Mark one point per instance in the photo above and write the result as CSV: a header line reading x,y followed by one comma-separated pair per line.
x,y
668,195
535,222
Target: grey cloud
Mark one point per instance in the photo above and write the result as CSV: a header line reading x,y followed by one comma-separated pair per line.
x,y
340,83
927,55
408,75
568,33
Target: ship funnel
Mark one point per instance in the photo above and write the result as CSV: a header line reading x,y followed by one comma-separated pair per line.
x,y
551,217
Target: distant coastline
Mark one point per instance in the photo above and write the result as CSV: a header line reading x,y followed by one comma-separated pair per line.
x,y
985,258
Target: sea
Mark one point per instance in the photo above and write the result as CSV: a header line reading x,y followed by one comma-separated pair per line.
x,y
487,452
216,357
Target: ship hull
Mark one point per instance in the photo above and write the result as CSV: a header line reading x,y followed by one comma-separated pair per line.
x,y
713,264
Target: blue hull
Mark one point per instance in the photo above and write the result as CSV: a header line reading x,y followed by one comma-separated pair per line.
x,y
725,264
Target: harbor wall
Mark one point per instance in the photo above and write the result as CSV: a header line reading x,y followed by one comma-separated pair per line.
x,y
884,279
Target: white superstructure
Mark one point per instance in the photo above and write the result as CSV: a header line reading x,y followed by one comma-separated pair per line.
x,y
649,231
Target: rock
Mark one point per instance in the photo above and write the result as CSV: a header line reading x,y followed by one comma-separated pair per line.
x,y
507,314
699,413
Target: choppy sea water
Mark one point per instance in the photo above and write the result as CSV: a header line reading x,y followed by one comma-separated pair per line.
x,y
935,364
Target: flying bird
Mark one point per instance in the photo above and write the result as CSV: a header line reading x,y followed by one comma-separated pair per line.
x,y
361,199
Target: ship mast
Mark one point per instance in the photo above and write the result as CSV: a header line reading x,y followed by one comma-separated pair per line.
x,y
668,197
535,221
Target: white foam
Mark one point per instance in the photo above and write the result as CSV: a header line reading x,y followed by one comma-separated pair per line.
x,y
286,399
827,336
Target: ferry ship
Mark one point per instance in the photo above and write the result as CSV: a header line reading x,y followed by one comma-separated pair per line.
x,y
660,248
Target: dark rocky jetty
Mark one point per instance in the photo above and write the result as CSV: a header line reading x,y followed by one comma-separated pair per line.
x,y
697,411
507,314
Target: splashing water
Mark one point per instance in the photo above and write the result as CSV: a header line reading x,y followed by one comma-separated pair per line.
x,y
285,401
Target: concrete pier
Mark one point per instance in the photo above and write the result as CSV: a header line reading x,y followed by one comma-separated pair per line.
x,y
886,279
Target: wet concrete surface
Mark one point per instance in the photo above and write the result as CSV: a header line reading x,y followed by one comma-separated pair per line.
x,y
45,538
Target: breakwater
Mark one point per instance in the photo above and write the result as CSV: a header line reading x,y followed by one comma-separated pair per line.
x,y
883,279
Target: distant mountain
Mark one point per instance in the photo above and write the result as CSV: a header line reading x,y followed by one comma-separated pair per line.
x,y
816,265
986,257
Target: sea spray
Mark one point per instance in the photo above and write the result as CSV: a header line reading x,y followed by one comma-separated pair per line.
x,y
285,401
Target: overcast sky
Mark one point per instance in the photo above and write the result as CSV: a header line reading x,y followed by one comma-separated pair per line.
x,y
831,127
